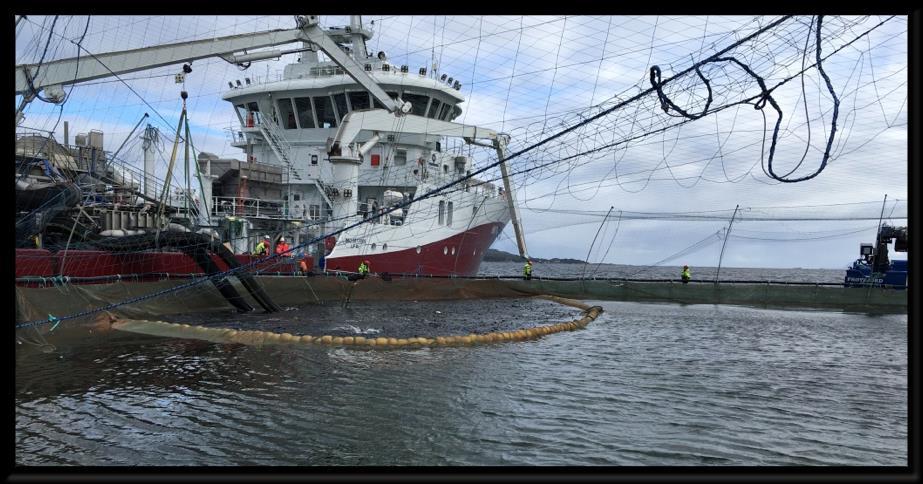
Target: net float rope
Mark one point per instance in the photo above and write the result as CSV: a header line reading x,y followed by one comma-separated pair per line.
x,y
260,338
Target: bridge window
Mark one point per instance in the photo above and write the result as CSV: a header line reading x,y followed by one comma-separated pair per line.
x,y
288,113
378,105
441,212
445,112
433,108
448,220
359,100
326,117
254,108
342,107
418,103
305,113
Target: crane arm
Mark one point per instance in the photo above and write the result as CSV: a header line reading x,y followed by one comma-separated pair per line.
x,y
317,36
31,78
86,68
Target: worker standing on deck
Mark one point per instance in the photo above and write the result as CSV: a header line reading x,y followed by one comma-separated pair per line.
x,y
281,247
364,269
527,271
263,247
686,274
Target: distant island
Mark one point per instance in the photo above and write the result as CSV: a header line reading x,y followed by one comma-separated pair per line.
x,y
494,255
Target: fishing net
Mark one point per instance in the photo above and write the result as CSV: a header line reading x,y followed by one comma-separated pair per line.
x,y
386,325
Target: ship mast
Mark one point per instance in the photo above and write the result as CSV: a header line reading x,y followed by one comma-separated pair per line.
x,y
359,49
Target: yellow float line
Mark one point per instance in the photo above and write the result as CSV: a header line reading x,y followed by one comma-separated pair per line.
x,y
251,337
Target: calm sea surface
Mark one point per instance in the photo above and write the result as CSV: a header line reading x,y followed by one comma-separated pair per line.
x,y
645,384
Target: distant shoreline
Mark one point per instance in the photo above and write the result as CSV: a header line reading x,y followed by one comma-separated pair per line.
x,y
494,255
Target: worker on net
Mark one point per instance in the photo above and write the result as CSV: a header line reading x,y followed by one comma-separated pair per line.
x,y
686,275
263,247
281,247
364,269
527,271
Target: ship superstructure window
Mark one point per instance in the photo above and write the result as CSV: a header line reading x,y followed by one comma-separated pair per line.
x,y
342,107
445,112
288,113
323,106
400,157
305,113
378,105
314,212
448,219
253,109
242,112
441,212
433,108
359,100
418,103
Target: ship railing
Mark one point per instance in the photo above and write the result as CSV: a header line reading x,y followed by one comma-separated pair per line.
x,y
378,215
249,207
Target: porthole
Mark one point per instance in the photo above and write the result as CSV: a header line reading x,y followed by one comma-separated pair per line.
x,y
374,246
493,230
453,250
384,246
419,249
445,251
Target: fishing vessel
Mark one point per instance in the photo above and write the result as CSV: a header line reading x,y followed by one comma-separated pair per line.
x,y
347,144
874,267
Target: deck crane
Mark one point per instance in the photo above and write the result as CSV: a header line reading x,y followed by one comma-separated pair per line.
x,y
50,77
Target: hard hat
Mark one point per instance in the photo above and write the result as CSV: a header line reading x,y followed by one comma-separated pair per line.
x,y
266,237
281,239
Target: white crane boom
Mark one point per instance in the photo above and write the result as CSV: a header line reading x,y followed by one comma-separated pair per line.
x,y
89,67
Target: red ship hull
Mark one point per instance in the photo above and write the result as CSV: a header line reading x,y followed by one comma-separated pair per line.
x,y
88,264
82,266
458,255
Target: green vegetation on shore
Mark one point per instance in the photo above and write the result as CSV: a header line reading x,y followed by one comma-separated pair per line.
x,y
494,255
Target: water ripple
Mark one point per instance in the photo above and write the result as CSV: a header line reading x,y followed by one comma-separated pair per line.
x,y
646,384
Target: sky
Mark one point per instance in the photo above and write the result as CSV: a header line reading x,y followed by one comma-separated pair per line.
x,y
533,76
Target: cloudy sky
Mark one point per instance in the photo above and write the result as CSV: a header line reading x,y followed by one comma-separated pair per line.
x,y
532,76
